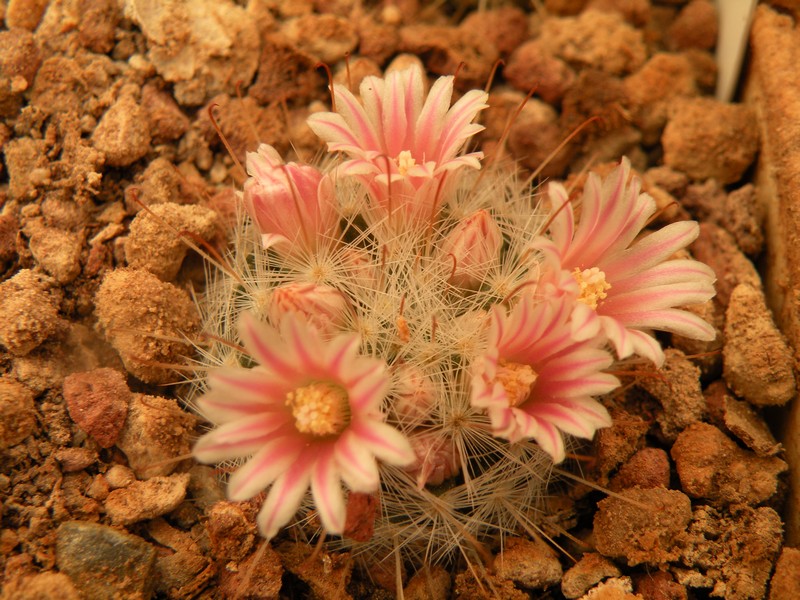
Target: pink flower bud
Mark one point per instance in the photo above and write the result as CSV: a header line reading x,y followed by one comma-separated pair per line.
x,y
437,459
289,202
321,306
414,394
473,245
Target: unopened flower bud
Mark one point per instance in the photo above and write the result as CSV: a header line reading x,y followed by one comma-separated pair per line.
x,y
289,202
472,246
322,306
414,394
437,459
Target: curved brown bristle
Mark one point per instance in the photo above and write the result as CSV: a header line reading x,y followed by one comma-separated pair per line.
x,y
322,65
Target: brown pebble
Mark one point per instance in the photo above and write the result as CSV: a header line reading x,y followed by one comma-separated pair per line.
x,y
25,13
326,575
285,74
156,436
785,584
616,444
156,241
694,27
707,139
20,59
143,500
596,39
30,312
732,551
429,583
17,412
712,466
530,67
590,570
530,564
758,364
642,526
750,427
230,532
56,251
260,576
47,585
123,133
651,90
98,402
743,217
119,476
145,320
75,459
327,37
717,248
648,468
505,26
677,388
167,121
445,48
659,585
98,24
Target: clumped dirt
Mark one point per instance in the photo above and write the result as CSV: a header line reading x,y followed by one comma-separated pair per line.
x,y
111,161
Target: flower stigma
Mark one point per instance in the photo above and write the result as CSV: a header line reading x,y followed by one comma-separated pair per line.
x,y
517,380
593,285
319,409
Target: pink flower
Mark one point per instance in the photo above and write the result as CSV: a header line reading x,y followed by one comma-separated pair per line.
x,y
308,415
536,381
626,285
473,245
401,144
319,305
289,202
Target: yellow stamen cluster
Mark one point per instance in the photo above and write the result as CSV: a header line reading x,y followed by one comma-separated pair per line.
x,y
593,285
517,379
319,409
404,162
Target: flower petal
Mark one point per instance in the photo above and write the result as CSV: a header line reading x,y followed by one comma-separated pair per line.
x,y
326,489
284,499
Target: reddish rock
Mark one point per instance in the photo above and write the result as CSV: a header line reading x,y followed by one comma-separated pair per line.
x,y
648,468
712,466
642,526
98,402
362,510
785,584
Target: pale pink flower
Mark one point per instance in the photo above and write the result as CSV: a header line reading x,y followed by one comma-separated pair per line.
x,y
292,205
309,414
536,381
473,246
322,306
400,143
627,285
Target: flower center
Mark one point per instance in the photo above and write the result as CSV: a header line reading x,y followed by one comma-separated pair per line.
x,y
319,409
517,380
404,162
593,285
